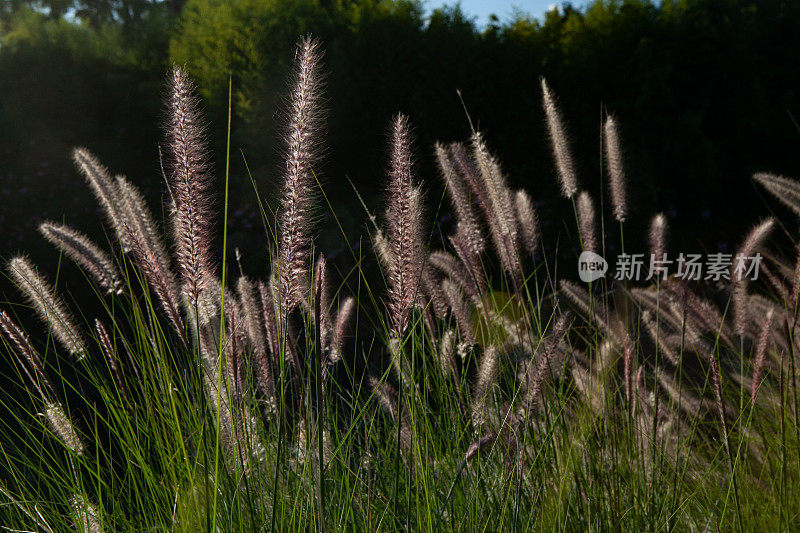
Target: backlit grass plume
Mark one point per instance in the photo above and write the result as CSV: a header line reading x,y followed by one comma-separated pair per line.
x,y
587,223
301,155
105,191
403,229
140,223
47,304
190,181
62,427
459,194
526,219
743,261
501,217
658,237
559,143
26,354
616,170
83,251
784,189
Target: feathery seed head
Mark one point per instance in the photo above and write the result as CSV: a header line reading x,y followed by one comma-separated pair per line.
x,y
62,427
190,182
139,220
499,209
716,383
22,345
739,268
108,350
658,231
586,221
786,190
85,515
560,144
47,304
459,195
460,309
158,276
526,219
85,253
104,189
616,172
301,156
487,373
322,303
751,244
404,231
627,359
343,319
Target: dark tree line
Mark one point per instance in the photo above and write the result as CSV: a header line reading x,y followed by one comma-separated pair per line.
x,y
706,92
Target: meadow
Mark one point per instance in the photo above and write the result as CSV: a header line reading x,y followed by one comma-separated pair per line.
x,y
469,382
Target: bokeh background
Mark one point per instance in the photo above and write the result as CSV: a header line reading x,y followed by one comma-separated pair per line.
x,y
706,93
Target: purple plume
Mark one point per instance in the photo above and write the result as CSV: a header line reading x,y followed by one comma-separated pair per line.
x,y
301,154
190,181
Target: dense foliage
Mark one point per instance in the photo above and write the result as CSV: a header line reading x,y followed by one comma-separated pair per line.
x,y
708,90
435,367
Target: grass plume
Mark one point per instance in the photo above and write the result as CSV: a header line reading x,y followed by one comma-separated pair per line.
x,y
301,155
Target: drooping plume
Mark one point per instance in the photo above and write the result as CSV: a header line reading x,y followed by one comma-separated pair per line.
x,y
47,305
62,428
750,246
302,154
539,370
784,189
22,345
739,271
432,294
136,231
466,167
526,219
501,217
586,221
139,220
83,251
104,189
386,396
108,350
404,233
159,278
616,171
190,183
560,145
459,195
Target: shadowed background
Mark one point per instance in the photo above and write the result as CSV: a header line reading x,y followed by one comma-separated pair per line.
x,y
706,93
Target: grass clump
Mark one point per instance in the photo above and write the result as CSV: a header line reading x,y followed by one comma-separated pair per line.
x,y
478,391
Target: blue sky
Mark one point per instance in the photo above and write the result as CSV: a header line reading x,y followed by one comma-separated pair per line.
x,y
502,8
